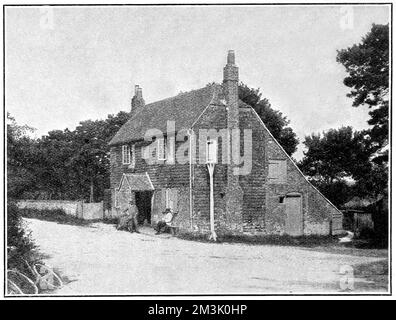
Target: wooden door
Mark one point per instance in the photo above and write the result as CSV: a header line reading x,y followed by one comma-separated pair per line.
x,y
294,217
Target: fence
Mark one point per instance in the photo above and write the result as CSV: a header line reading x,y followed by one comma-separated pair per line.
x,y
79,209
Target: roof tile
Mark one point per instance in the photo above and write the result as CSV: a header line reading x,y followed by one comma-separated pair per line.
x,y
183,109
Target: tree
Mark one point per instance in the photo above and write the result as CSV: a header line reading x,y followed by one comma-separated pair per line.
x,y
275,121
335,155
62,164
75,164
367,64
91,160
338,192
52,167
374,183
20,246
338,162
20,179
19,158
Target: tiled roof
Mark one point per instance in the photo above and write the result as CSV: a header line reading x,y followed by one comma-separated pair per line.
x,y
183,109
136,182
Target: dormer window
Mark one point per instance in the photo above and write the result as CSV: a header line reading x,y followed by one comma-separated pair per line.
x,y
211,151
126,154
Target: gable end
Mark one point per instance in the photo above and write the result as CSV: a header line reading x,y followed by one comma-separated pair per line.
x,y
294,164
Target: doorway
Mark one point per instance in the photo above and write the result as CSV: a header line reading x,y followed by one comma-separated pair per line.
x,y
294,216
143,203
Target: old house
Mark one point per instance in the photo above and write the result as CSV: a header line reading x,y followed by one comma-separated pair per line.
x,y
186,153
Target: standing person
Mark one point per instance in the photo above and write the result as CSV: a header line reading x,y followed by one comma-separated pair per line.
x,y
165,221
133,211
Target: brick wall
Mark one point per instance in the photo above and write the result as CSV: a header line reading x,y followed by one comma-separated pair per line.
x,y
262,213
318,213
214,117
182,207
162,176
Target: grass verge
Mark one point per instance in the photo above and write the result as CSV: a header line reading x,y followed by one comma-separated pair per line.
x,y
285,240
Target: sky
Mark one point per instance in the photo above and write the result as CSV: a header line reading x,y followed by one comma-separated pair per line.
x,y
68,64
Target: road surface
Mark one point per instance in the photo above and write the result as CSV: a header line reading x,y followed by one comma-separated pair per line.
x,y
98,259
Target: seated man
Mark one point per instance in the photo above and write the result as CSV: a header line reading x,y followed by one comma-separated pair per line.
x,y
165,221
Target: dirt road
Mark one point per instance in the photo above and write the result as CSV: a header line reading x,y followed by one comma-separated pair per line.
x,y
98,259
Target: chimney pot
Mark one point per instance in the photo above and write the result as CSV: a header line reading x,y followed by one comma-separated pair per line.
x,y
139,93
137,100
231,57
230,69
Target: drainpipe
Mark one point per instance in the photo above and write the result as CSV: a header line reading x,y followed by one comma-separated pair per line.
x,y
213,235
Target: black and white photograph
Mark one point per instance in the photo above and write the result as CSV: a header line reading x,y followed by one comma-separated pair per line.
x,y
178,150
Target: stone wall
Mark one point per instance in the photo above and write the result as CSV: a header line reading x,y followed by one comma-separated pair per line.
x,y
72,208
92,211
86,211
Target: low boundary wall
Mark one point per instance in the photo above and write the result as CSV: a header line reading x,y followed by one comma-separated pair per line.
x,y
79,209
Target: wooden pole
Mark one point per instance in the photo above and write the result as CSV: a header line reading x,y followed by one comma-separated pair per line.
x,y
213,235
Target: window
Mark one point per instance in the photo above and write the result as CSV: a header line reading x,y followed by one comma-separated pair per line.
x,y
161,149
211,151
277,171
126,154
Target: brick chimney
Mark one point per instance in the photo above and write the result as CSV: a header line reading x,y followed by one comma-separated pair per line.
x,y
137,100
230,87
234,193
230,84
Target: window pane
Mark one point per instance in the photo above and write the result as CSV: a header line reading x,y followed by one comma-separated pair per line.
x,y
126,154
